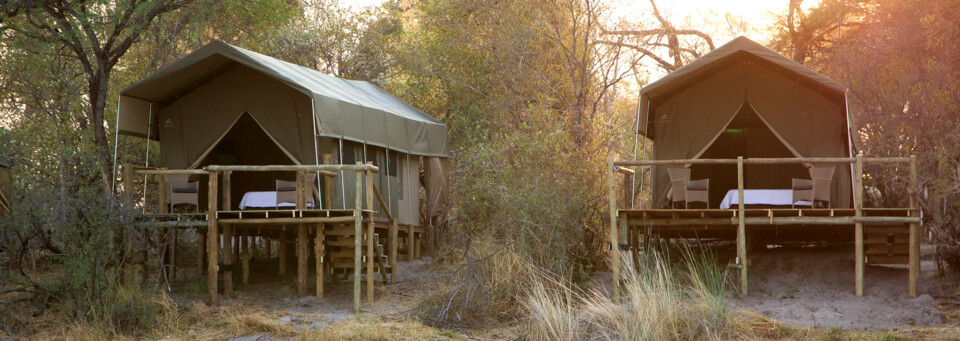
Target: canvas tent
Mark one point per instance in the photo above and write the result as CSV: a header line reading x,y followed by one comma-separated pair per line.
x,y
744,99
222,104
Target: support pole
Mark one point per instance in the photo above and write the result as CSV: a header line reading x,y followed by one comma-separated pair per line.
x,y
741,229
201,250
303,255
393,250
327,184
282,251
614,244
914,228
302,258
410,242
228,248
370,254
212,237
318,257
357,241
858,226
245,255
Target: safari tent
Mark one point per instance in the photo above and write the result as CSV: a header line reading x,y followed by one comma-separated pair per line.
x,y
224,105
744,99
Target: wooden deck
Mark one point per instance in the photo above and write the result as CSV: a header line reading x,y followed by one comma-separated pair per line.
x,y
880,235
341,242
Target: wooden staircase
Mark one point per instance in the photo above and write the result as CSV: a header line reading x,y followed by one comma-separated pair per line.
x,y
339,244
889,244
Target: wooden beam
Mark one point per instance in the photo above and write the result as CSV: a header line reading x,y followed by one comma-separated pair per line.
x,y
410,235
914,229
168,171
212,237
741,229
614,243
329,170
754,161
859,259
358,238
304,220
370,253
801,220
228,260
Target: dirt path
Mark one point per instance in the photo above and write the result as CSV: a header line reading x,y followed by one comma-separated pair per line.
x,y
810,287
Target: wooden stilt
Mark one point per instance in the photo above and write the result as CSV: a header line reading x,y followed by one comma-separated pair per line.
x,y
236,243
410,243
741,229
245,256
212,237
357,241
228,248
282,251
614,242
370,253
859,260
201,251
173,253
393,250
302,258
914,228
417,242
267,243
318,257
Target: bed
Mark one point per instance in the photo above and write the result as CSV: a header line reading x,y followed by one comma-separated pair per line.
x,y
769,197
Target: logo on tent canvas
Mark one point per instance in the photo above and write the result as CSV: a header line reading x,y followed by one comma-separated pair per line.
x,y
168,123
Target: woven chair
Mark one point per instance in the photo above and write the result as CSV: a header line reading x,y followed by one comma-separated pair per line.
x,y
180,190
687,191
816,189
287,190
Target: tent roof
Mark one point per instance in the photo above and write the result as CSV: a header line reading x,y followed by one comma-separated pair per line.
x,y
741,46
182,76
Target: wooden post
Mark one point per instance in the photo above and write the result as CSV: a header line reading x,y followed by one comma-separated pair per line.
x,y
268,245
212,237
327,184
318,256
282,250
614,243
393,250
226,190
228,248
859,260
162,197
245,255
173,253
410,242
201,250
357,241
128,200
741,229
914,228
370,253
302,257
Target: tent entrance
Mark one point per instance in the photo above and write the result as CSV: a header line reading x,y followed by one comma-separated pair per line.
x,y
748,136
246,143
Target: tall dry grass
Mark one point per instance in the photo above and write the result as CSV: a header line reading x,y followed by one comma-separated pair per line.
x,y
659,302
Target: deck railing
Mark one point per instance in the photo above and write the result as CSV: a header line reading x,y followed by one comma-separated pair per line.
x,y
328,171
620,167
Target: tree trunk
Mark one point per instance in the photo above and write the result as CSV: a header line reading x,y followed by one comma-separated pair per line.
x,y
98,102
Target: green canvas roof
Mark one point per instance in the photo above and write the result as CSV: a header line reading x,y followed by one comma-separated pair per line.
x,y
206,91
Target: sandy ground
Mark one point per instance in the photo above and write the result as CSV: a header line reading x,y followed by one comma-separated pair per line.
x,y
814,287
271,292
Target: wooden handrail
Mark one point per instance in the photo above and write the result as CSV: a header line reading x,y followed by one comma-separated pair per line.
x,y
383,206
170,171
327,170
762,161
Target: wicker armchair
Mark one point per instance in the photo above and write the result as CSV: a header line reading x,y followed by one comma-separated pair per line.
x,y
287,190
180,190
687,191
816,189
